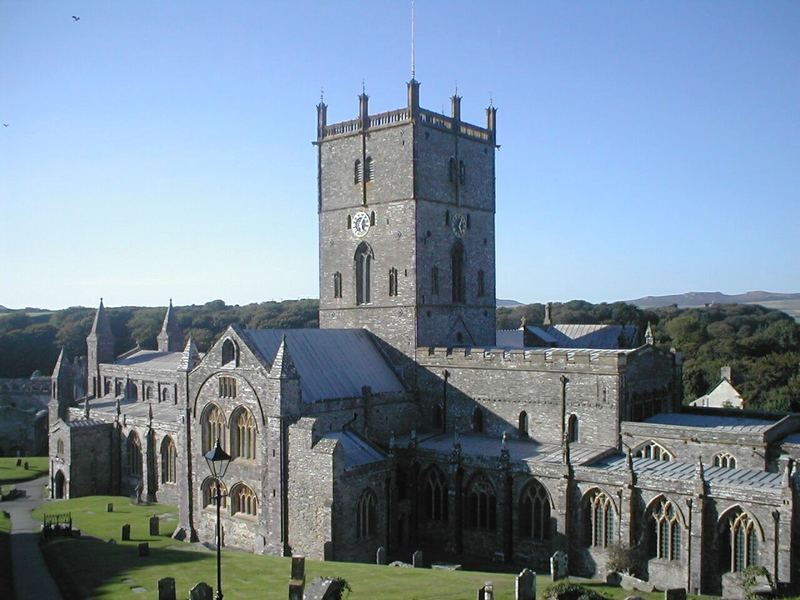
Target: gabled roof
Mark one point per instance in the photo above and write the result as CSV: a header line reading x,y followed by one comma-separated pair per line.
x,y
719,423
151,359
591,336
724,395
331,363
356,450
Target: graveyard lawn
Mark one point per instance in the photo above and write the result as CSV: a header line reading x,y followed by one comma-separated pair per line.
x,y
93,567
10,473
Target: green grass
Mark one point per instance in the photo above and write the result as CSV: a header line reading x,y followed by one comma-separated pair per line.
x,y
11,473
97,569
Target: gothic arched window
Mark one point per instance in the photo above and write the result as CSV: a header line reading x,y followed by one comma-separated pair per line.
x,y
134,454
434,496
243,500
665,540
393,282
169,457
243,434
230,353
523,425
209,493
60,447
599,519
653,450
365,515
213,424
481,505
738,542
337,285
363,267
164,394
725,460
457,272
534,512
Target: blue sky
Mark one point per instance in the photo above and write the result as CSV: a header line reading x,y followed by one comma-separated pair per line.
x,y
163,149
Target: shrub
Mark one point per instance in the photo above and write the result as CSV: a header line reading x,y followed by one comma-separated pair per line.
x,y
566,590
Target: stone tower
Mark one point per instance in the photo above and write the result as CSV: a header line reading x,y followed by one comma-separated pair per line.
x,y
171,337
99,349
61,389
406,205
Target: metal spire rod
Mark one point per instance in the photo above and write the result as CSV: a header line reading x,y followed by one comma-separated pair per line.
x,y
413,40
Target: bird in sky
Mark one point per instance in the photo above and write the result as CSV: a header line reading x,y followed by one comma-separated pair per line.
x,y
76,19
5,124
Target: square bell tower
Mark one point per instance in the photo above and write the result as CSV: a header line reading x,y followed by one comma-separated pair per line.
x,y
406,204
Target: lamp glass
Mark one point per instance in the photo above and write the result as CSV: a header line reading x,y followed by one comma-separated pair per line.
x,y
218,461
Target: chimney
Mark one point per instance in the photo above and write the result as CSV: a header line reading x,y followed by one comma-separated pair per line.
x,y
725,373
548,314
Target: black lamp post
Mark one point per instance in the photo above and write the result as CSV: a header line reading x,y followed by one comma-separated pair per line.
x,y
218,461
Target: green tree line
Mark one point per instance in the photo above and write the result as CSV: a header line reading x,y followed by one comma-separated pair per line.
x,y
761,345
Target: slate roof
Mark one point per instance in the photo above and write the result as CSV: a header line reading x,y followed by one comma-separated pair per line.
x,y
671,469
590,336
357,451
151,359
519,450
136,409
792,439
331,363
722,424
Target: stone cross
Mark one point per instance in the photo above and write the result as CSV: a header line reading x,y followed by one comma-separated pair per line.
x,y
166,588
526,585
417,559
559,565
154,525
126,533
380,556
144,549
202,591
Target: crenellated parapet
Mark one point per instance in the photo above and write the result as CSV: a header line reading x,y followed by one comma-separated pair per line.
x,y
612,360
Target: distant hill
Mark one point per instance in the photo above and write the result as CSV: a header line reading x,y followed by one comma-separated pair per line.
x,y
507,303
788,303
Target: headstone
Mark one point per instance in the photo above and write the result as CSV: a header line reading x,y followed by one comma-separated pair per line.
x,y
418,560
299,567
380,556
202,591
675,594
526,585
19,462
144,549
126,533
324,589
486,592
166,588
26,465
296,590
558,565
110,507
154,525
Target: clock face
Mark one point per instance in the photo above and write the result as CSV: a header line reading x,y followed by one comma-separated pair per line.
x,y
459,225
360,224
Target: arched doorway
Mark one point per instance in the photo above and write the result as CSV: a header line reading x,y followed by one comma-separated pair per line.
x,y
60,484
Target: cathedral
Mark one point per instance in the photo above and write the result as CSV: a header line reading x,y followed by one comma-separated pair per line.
x,y
407,421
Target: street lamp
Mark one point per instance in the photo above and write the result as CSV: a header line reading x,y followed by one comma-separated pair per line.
x,y
218,461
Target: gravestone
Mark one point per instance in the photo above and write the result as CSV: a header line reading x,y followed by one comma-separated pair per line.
x,y
144,549
110,507
126,533
26,465
19,462
418,559
486,592
202,591
675,594
526,585
558,565
298,582
166,588
154,525
380,556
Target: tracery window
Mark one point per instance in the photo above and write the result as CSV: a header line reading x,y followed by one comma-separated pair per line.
x,y
243,434
481,505
655,451
169,457
209,490
227,387
435,496
534,512
337,285
393,282
666,531
213,423
599,523
243,501
363,266
365,515
230,353
134,454
725,460
457,271
739,543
